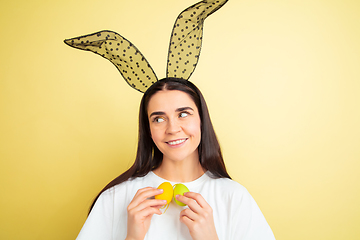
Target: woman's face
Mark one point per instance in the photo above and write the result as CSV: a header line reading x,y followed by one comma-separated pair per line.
x,y
175,125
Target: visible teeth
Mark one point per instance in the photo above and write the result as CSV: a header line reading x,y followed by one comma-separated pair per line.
x,y
176,142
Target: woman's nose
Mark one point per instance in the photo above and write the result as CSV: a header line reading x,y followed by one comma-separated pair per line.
x,y
173,126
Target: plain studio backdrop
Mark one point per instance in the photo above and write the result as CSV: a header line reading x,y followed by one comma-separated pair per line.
x,y
281,78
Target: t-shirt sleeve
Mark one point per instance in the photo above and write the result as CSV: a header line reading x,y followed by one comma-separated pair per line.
x,y
247,219
98,225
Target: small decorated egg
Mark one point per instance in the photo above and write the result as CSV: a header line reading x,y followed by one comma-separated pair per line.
x,y
180,189
167,193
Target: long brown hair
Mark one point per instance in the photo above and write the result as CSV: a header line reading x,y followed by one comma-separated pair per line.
x,y
149,157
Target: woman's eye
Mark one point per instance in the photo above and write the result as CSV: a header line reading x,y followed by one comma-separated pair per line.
x,y
183,114
158,119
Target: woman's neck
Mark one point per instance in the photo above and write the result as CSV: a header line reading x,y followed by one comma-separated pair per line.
x,y
184,171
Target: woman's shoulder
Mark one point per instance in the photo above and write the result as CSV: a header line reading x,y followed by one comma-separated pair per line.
x,y
227,185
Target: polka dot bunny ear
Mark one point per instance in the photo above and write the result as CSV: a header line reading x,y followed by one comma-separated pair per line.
x,y
184,49
186,38
130,62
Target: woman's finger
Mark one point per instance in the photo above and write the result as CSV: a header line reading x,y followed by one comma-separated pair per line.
x,y
192,203
143,194
146,212
198,198
188,213
149,203
186,220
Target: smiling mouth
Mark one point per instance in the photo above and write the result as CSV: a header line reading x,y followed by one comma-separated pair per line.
x,y
176,142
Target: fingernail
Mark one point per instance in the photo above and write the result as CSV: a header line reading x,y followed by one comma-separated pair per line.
x,y
161,190
177,196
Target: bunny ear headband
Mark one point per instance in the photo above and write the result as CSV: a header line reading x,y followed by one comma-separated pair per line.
x,y
183,55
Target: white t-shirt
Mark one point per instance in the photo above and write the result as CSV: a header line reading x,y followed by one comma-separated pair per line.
x,y
236,214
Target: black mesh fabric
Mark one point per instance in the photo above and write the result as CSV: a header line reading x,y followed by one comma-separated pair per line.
x,y
184,49
130,62
186,38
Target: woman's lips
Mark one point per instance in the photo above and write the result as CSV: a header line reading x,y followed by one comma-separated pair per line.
x,y
176,142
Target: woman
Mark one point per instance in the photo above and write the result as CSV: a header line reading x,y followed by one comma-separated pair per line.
x,y
177,143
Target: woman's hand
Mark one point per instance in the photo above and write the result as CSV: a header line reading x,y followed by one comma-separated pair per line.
x,y
198,217
140,211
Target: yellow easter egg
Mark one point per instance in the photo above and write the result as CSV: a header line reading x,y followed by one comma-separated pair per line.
x,y
180,189
167,193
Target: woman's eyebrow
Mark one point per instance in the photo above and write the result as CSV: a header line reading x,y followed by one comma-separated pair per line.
x,y
156,113
184,108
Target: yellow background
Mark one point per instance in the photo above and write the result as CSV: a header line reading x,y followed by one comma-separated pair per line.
x,y
281,78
